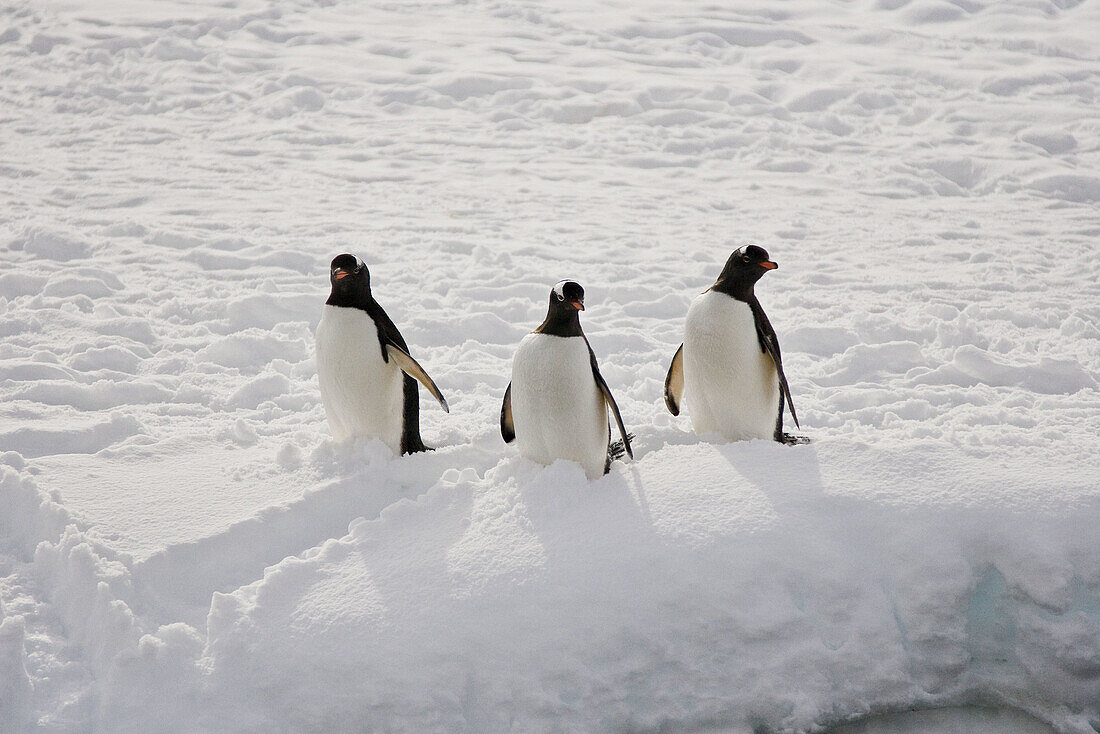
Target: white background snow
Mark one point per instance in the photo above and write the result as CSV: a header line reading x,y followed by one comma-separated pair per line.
x,y
184,549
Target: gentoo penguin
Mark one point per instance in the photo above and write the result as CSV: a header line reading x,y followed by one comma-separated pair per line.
x,y
364,368
556,405
728,371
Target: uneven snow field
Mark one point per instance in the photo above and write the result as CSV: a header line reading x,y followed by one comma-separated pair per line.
x,y
183,548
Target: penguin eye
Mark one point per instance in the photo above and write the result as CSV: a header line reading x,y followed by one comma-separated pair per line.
x,y
559,296
744,258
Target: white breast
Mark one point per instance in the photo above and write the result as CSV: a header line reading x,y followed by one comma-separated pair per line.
x,y
557,409
730,386
362,394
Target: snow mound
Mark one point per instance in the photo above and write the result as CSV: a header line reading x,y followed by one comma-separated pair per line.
x,y
532,600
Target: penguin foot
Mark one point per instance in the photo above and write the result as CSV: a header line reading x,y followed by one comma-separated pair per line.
x,y
616,450
416,448
790,439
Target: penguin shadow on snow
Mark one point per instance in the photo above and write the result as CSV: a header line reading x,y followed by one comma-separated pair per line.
x,y
785,474
639,493
577,519
791,478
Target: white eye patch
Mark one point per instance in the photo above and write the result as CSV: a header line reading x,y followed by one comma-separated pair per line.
x,y
559,288
359,264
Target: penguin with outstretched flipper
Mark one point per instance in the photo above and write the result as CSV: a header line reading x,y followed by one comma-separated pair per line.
x,y
366,374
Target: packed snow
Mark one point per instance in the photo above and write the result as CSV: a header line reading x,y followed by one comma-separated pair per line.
x,y
185,548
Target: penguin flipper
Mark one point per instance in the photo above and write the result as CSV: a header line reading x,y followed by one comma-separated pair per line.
x,y
412,368
610,400
507,428
770,344
674,382
618,417
784,388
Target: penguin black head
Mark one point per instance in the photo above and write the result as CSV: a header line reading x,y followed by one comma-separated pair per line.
x,y
563,314
745,266
567,294
350,281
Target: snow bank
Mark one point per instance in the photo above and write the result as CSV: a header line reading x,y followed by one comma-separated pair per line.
x,y
784,588
27,515
15,686
92,595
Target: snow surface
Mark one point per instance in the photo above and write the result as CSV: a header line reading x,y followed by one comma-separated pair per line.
x,y
183,548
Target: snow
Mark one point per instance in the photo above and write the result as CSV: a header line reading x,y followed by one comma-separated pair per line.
x,y
632,603
183,548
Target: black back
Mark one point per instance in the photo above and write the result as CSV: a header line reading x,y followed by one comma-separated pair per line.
x,y
350,281
738,278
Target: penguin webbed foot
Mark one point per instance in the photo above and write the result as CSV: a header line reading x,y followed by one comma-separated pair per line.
x,y
616,450
415,447
789,439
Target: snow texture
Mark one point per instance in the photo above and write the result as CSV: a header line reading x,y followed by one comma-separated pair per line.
x,y
184,548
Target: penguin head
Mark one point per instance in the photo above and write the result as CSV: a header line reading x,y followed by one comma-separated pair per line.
x,y
349,275
563,317
745,266
567,296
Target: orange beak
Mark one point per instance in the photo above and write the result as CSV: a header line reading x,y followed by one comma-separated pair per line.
x,y
768,264
579,305
341,274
